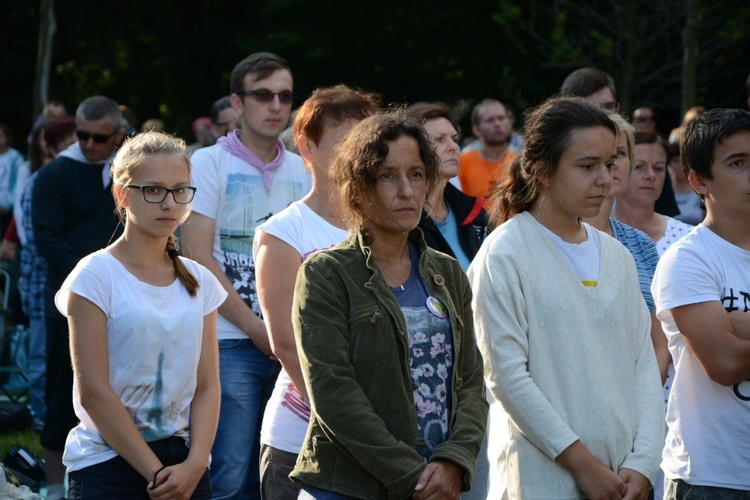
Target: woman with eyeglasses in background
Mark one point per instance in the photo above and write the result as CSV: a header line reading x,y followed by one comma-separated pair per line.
x,y
143,341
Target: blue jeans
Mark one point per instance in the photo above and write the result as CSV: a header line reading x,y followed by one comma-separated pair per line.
x,y
247,380
37,366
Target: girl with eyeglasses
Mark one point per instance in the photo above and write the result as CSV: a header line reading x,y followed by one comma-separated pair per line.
x,y
143,341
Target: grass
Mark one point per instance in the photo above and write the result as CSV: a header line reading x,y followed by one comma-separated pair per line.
x,y
30,440
27,438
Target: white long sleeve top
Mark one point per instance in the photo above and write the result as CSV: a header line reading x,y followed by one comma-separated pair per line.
x,y
565,362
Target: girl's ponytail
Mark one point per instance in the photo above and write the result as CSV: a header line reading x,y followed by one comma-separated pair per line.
x,y
185,277
515,193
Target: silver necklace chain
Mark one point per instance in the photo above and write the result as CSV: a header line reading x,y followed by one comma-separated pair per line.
x,y
394,280
401,286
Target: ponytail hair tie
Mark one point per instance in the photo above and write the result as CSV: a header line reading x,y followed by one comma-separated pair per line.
x,y
173,253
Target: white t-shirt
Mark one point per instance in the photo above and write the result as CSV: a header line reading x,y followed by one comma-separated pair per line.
x,y
154,336
707,441
232,193
287,412
583,258
675,230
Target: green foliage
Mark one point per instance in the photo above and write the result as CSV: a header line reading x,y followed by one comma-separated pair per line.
x,y
26,438
171,59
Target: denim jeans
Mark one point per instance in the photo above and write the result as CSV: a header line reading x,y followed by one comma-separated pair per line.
x,y
247,380
680,490
116,478
37,366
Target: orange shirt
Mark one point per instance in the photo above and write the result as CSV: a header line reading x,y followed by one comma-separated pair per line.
x,y
479,175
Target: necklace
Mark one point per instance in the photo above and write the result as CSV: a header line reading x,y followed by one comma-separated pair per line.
x,y
401,286
394,280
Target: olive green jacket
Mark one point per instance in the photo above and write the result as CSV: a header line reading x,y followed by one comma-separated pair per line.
x,y
354,351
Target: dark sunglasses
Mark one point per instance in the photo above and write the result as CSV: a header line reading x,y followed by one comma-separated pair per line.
x,y
265,95
98,138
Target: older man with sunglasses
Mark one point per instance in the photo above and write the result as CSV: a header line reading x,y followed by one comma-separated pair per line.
x,y
73,215
245,178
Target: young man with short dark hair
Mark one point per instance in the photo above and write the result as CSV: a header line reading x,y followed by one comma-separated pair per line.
x,y
593,85
702,293
245,178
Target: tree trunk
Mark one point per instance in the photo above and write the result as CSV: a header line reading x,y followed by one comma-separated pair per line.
x,y
690,55
47,28
630,30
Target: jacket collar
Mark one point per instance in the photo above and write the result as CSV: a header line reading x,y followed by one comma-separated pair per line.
x,y
358,241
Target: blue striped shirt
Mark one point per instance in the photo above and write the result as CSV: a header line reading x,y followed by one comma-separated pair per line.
x,y
644,252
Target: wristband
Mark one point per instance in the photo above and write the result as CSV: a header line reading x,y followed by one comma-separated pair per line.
x,y
153,483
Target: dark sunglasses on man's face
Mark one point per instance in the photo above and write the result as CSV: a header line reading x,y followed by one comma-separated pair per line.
x,y
265,95
98,138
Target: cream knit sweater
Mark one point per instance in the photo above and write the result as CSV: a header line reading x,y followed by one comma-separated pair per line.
x,y
565,362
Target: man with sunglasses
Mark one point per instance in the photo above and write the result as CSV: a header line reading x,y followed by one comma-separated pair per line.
x,y
242,180
73,215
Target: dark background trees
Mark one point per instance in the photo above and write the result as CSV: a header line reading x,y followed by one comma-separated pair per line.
x,y
172,58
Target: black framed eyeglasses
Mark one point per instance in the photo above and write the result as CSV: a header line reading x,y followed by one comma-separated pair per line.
x,y
265,95
157,194
98,138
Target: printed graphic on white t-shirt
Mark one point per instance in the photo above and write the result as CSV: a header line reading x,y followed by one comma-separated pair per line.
x,y
243,211
232,192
